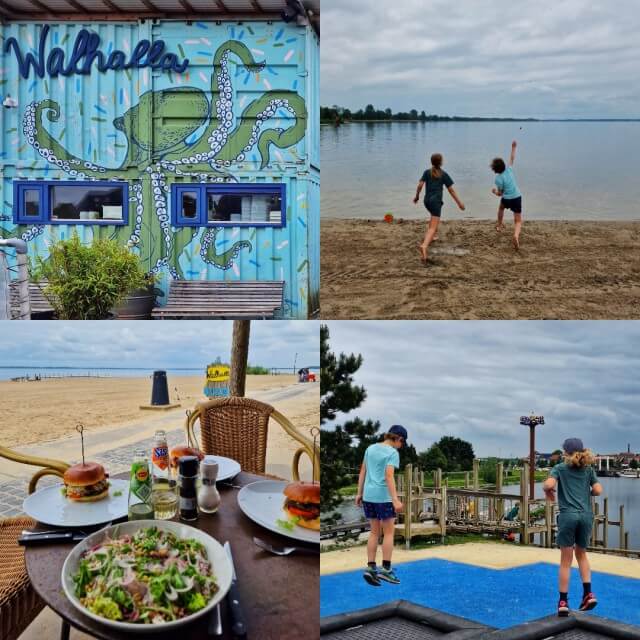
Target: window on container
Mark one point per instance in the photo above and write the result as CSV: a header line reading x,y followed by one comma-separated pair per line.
x,y
229,204
244,208
189,205
87,202
31,203
57,202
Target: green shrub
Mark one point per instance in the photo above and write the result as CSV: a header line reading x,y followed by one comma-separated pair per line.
x,y
84,282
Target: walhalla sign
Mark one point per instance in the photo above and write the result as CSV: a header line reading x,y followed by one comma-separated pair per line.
x,y
86,52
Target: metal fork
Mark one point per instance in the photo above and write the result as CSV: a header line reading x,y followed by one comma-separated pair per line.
x,y
284,551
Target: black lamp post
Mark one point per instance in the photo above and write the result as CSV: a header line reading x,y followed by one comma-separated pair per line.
x,y
532,422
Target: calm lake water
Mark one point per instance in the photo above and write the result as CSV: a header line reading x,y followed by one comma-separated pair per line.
x,y
565,170
624,491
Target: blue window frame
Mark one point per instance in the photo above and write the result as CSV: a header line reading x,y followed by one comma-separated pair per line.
x,y
231,205
97,202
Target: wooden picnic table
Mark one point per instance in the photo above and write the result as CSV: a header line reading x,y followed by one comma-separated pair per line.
x,y
280,595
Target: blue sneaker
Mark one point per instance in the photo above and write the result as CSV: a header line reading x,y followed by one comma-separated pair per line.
x,y
388,575
371,576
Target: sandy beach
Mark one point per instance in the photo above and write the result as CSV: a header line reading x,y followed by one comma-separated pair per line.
x,y
43,416
50,409
564,270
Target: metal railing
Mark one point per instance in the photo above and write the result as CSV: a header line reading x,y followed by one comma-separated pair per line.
x,y
22,280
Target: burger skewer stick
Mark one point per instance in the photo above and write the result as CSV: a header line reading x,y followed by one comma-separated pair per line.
x,y
80,430
315,432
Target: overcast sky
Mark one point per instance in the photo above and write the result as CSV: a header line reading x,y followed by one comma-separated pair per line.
x,y
475,379
153,344
574,58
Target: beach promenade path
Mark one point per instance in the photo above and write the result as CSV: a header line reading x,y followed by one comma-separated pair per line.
x,y
113,447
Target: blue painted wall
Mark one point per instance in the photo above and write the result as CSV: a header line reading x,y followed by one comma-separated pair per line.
x,y
85,130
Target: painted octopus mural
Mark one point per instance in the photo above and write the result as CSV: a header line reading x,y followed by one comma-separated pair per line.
x,y
157,158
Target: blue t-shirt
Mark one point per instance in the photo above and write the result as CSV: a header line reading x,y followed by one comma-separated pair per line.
x,y
506,183
574,487
377,458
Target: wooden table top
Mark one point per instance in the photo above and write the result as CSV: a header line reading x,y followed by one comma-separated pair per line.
x,y
280,595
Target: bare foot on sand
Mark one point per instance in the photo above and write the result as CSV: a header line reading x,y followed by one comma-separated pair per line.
x,y
516,243
423,254
435,238
500,227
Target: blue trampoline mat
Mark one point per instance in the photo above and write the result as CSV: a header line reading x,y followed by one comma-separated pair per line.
x,y
496,597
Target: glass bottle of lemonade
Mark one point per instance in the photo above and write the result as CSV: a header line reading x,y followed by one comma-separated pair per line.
x,y
163,486
140,505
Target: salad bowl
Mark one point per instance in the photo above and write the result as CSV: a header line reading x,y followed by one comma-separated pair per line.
x,y
220,568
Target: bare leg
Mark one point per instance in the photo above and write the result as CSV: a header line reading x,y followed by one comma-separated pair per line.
x,y
517,218
372,542
566,558
432,230
500,223
583,564
388,528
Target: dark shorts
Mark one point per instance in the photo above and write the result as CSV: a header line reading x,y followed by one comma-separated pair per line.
x,y
574,528
378,510
434,206
513,204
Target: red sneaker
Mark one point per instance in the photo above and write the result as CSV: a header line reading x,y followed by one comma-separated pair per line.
x,y
588,602
563,609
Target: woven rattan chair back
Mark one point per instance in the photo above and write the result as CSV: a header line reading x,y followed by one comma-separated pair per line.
x,y
236,428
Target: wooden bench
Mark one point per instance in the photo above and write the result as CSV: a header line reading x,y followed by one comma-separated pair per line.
x,y
233,300
40,306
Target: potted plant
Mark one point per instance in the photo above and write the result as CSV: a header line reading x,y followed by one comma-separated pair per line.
x,y
139,303
85,282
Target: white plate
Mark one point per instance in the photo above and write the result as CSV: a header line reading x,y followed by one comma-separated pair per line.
x,y
262,501
49,506
215,552
227,468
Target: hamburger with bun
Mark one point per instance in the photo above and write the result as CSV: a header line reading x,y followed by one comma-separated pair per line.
x,y
303,502
86,482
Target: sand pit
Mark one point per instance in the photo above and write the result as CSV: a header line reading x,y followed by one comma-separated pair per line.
x,y
564,270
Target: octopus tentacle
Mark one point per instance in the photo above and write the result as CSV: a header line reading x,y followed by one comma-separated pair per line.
x,y
52,151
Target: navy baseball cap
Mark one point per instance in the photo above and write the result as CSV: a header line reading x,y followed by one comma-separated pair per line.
x,y
571,445
399,430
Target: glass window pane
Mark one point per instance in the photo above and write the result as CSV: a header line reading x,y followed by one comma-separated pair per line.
x,y
243,208
189,204
78,202
31,202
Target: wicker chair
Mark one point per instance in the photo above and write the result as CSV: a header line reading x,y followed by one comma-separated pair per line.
x,y
237,428
19,603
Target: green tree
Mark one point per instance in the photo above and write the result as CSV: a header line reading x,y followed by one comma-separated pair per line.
x,y
634,464
432,459
459,453
338,394
408,455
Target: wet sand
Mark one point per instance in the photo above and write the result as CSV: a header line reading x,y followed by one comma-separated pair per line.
x,y
564,270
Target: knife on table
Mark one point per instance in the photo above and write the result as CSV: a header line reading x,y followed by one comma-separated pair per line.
x,y
237,616
55,537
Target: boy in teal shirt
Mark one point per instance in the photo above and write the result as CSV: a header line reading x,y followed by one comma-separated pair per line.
x,y
575,481
507,190
378,496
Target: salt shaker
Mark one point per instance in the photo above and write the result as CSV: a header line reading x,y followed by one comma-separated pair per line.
x,y
208,496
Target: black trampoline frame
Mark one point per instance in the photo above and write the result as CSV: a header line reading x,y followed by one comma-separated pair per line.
x,y
463,629
456,628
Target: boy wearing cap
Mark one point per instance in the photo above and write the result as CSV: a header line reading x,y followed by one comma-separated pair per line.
x,y
378,496
575,481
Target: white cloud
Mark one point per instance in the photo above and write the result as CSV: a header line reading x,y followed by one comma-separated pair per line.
x,y
573,58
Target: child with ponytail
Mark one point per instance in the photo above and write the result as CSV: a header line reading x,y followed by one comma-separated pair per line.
x,y
575,481
434,179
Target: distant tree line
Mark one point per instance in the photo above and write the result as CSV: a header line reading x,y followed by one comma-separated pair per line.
x,y
337,114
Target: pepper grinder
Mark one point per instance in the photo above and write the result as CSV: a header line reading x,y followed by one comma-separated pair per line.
x,y
208,496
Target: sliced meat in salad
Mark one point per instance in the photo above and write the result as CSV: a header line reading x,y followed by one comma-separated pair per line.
x,y
151,577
